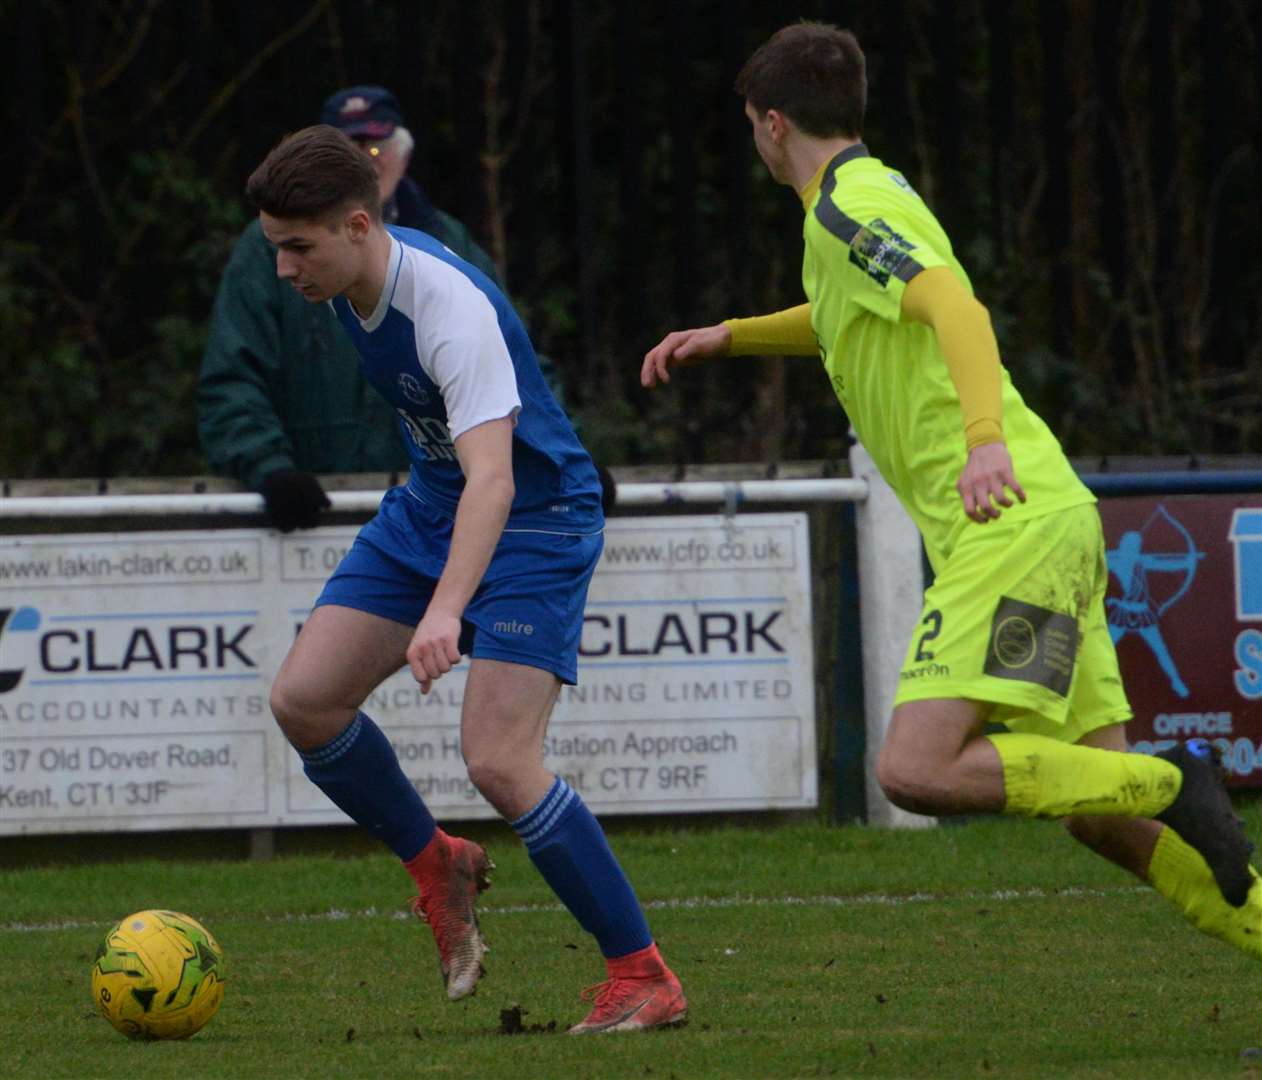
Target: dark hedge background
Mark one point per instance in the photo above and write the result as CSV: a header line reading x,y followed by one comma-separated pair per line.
x,y
1096,162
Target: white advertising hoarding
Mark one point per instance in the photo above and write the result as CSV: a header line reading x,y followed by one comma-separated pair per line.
x,y
135,667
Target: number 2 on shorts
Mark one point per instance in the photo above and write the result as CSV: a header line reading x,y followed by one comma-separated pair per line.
x,y
933,620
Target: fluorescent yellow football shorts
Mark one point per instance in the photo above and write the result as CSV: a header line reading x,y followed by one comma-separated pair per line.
x,y
1015,619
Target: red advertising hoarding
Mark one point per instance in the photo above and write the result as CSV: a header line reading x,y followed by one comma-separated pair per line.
x,y
1185,611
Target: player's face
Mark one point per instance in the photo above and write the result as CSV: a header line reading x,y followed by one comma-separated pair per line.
x,y
318,258
768,149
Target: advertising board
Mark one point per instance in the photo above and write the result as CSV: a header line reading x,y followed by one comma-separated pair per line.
x,y
1185,612
135,670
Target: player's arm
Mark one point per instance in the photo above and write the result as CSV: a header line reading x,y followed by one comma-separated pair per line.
x,y
936,298
782,333
485,453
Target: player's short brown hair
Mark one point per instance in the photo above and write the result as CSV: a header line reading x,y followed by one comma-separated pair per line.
x,y
815,74
311,174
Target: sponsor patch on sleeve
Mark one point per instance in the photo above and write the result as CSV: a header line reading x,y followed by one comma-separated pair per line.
x,y
881,253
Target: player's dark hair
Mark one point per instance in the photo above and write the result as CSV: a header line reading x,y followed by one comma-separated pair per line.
x,y
311,174
812,72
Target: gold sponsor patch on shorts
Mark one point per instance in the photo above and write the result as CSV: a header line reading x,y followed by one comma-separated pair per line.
x,y
1032,644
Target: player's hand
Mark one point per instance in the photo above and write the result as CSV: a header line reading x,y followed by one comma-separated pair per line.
x,y
986,480
435,647
680,348
293,498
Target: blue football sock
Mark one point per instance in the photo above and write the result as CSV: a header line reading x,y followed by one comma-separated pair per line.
x,y
569,847
359,771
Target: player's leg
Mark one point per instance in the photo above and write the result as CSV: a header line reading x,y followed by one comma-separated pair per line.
x,y
529,618
998,640
1127,842
1157,854
1200,820
505,718
935,761
338,658
1097,711
502,725
456,867
1015,622
357,636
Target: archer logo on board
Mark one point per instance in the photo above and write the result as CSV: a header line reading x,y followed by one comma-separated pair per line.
x,y
1155,565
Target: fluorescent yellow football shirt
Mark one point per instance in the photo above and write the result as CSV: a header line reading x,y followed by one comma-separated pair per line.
x,y
867,235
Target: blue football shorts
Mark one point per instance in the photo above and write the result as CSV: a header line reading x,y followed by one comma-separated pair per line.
x,y
528,609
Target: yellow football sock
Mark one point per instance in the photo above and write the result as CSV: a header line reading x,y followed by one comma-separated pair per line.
x,y
1178,872
1044,778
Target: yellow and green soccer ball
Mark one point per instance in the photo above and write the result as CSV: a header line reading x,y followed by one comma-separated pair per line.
x,y
158,975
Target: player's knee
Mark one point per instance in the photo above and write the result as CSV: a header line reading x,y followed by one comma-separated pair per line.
x,y
285,706
304,721
493,776
911,784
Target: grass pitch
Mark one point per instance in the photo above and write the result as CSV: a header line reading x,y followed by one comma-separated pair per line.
x,y
989,949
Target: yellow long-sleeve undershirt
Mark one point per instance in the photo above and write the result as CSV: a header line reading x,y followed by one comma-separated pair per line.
x,y
935,298
782,333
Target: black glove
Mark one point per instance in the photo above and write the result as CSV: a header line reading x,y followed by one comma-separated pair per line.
x,y
294,499
608,489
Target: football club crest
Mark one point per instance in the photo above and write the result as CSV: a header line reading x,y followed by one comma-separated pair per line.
x,y
411,388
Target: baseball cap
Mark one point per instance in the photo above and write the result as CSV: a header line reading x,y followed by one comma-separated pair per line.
x,y
363,112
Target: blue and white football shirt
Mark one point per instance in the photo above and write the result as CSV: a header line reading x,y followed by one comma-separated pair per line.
x,y
448,351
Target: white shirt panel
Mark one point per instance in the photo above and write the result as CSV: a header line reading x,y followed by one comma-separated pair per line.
x,y
458,342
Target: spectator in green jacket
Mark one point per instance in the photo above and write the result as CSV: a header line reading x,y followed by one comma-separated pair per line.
x,y
280,397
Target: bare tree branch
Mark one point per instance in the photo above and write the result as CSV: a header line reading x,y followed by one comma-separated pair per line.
x,y
499,150
35,172
149,212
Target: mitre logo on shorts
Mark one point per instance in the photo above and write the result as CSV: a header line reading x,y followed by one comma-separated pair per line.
x,y
1032,644
512,626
